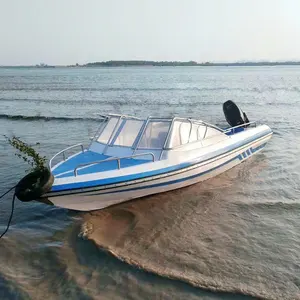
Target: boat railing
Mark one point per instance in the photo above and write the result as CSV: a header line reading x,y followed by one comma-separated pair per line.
x,y
239,126
63,153
118,159
205,138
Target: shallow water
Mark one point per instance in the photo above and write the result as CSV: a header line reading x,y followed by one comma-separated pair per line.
x,y
235,236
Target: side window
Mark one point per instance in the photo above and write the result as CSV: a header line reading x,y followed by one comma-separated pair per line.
x,y
180,133
211,132
155,135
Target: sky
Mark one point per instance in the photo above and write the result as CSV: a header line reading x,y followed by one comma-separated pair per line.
x,y
65,32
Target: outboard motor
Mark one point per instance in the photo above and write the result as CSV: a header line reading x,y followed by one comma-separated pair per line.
x,y
234,115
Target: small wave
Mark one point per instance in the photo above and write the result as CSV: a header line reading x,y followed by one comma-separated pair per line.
x,y
296,89
56,101
145,102
47,88
43,118
275,89
118,89
124,102
286,205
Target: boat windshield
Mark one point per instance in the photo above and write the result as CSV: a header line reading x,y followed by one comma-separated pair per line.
x,y
127,133
153,133
108,130
120,132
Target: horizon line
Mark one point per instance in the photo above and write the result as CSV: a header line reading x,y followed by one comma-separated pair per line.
x,y
162,62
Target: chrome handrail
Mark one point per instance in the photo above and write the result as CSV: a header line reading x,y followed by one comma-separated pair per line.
x,y
222,132
167,137
118,159
140,135
242,125
191,127
63,153
204,135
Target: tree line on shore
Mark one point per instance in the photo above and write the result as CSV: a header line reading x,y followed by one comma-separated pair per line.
x,y
151,63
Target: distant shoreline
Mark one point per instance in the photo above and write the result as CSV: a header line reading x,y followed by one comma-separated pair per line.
x,y
148,63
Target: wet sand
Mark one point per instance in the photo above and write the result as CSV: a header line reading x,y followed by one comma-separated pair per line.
x,y
209,235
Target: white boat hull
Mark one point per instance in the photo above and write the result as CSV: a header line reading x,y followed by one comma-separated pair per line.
x,y
87,200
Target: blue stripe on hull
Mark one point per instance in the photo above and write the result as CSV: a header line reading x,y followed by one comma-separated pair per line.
x,y
173,181
253,150
99,182
239,157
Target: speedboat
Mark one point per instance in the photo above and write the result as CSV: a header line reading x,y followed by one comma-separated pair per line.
x,y
131,157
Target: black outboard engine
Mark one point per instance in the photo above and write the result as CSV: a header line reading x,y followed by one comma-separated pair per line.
x,y
234,115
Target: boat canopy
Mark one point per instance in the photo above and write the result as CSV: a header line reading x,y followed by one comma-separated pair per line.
x,y
152,133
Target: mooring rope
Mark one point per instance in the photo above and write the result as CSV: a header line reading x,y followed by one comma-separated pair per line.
x,y
12,210
7,191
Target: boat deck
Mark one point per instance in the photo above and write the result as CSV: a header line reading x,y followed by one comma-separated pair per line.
x,y
66,169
